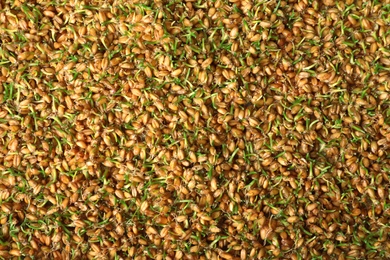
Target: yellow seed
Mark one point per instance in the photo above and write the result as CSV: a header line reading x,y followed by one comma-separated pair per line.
x,y
144,206
311,206
48,13
81,144
13,144
176,73
234,32
15,252
207,62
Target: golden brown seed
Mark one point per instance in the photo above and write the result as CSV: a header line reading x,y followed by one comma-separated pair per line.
x,y
13,144
207,62
311,206
15,252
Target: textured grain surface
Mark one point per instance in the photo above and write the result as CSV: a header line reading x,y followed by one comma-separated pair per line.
x,y
194,129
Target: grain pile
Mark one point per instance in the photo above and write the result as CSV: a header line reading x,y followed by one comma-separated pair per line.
x,y
194,129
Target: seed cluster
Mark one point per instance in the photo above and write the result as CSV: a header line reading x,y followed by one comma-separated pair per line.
x,y
217,129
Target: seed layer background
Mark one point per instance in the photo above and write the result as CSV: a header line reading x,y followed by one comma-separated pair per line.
x,y
194,129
